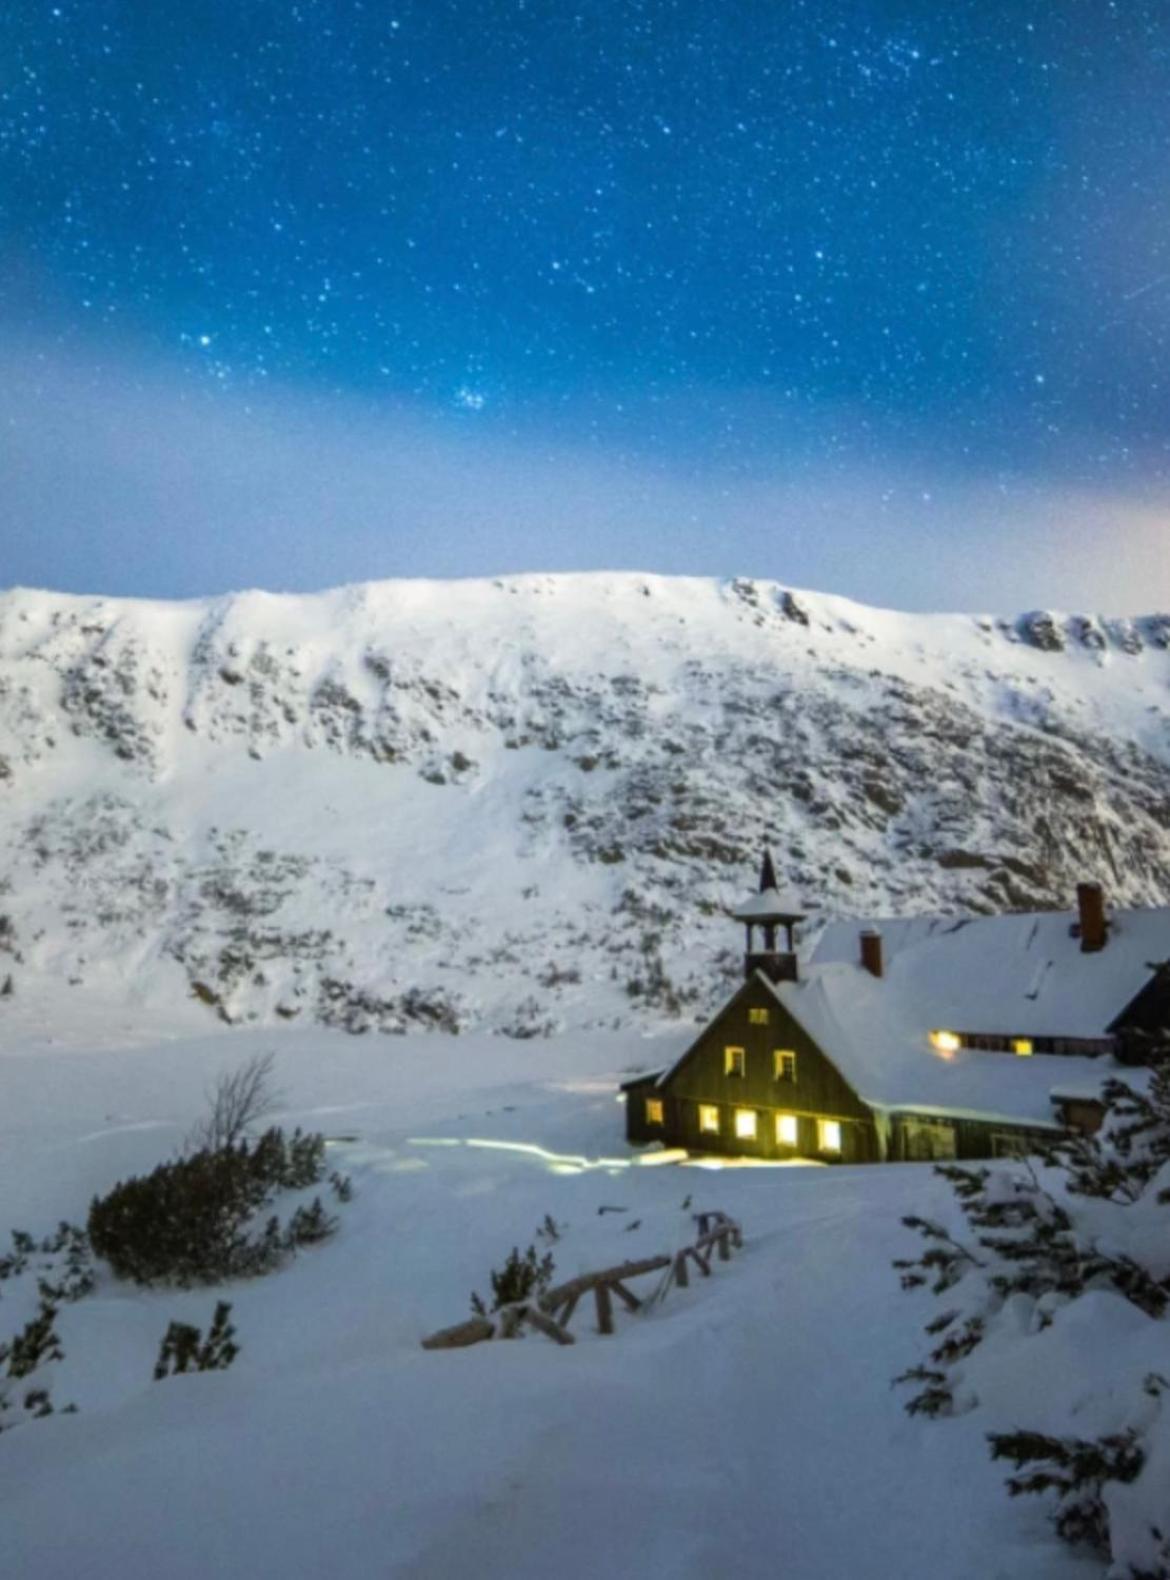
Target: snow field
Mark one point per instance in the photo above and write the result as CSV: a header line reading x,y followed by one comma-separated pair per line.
x,y
744,1428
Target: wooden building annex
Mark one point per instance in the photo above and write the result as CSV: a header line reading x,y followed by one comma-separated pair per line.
x,y
924,1038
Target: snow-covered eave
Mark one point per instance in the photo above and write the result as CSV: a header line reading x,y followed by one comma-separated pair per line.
x,y
647,1078
975,1115
769,905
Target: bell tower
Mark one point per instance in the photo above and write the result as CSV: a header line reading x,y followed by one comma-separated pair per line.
x,y
769,910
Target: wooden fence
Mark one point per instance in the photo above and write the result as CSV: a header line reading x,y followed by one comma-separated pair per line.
x,y
551,1312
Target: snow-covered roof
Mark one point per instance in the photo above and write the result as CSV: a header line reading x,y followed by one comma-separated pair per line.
x,y
1017,975
769,905
1023,973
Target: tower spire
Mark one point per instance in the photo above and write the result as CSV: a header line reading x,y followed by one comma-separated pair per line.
x,y
767,873
770,910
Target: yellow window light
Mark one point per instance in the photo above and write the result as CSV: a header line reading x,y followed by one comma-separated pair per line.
x,y
946,1041
733,1061
757,1017
787,1134
655,1111
709,1119
830,1135
745,1124
1022,1046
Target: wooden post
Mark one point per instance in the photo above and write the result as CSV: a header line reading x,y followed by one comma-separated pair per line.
x,y
630,1301
604,1308
724,1248
547,1326
680,1270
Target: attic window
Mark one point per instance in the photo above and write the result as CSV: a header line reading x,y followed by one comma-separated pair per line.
x,y
733,1061
745,1124
655,1111
784,1065
787,1133
757,1017
708,1119
829,1135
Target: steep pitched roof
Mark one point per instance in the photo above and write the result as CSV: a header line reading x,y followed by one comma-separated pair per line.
x,y
1018,975
770,903
1022,973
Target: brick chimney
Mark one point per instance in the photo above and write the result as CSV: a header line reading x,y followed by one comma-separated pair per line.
x,y
871,952
1094,929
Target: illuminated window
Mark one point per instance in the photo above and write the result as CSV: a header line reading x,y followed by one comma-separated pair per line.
x,y
828,1135
1022,1046
655,1112
946,1041
757,1017
783,1065
709,1119
745,1124
787,1134
733,1061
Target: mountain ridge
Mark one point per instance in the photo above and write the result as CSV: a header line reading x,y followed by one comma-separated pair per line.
x,y
527,802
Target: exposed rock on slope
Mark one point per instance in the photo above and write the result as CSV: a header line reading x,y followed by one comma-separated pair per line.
x,y
528,802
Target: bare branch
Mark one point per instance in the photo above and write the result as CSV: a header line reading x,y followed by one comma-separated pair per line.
x,y
237,1101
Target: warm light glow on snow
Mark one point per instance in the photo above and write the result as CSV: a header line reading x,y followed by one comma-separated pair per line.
x,y
557,1162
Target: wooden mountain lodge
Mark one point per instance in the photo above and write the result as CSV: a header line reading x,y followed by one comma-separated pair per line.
x,y
926,1038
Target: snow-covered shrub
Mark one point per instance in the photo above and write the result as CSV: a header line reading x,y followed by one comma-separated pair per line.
x,y
520,1278
63,1263
1062,1273
192,1221
34,1347
184,1348
1076,1470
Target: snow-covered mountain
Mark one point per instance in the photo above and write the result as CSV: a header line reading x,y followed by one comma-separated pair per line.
x,y
525,803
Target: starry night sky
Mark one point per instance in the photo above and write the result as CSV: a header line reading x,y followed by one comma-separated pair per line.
x,y
863,295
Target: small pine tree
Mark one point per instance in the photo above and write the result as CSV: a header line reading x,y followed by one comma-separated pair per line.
x,y
309,1226
184,1348
520,1278
33,1347
1026,1242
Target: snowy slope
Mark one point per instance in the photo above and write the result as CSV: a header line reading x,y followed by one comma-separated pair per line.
x,y
528,803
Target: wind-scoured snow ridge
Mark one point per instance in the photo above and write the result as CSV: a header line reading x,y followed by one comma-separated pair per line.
x,y
527,803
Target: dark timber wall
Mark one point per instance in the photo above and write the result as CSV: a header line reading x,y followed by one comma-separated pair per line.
x,y
819,1091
